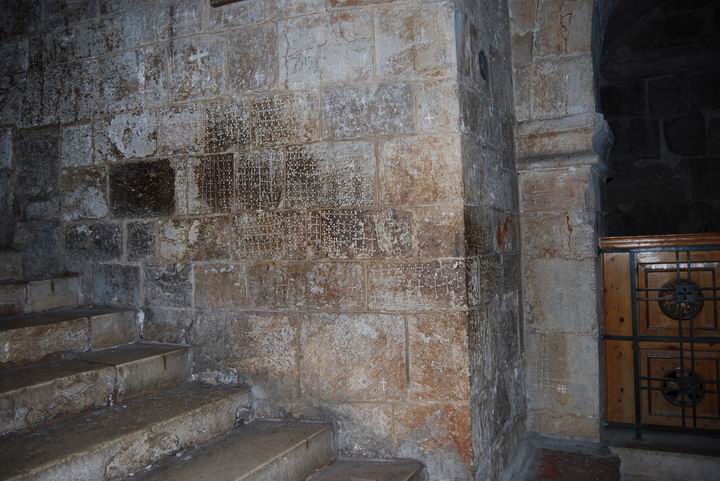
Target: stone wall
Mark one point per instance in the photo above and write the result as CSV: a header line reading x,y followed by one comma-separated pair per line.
x,y
560,146
302,190
661,96
492,233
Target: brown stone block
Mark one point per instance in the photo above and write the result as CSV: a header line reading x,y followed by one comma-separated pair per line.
x,y
417,285
420,170
270,235
556,190
440,231
438,435
438,356
438,106
325,285
197,67
260,179
284,119
227,126
252,60
358,357
210,184
125,136
361,234
180,130
569,235
195,239
220,286
564,27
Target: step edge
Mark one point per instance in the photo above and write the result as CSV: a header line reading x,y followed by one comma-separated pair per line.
x,y
69,319
49,464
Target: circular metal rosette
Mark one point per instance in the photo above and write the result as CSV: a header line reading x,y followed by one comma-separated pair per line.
x,y
682,387
682,300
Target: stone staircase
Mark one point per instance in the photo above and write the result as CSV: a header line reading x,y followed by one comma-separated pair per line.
x,y
82,398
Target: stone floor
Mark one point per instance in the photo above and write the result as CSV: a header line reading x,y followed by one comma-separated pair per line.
x,y
553,465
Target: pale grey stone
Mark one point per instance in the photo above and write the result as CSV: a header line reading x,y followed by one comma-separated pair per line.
x,y
77,149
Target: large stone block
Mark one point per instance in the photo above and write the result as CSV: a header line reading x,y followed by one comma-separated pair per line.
x,y
139,240
438,108
77,146
70,92
415,41
239,14
339,174
126,136
561,295
157,70
420,170
685,135
569,235
99,242
83,194
166,324
41,244
197,67
210,184
37,156
438,356
331,47
142,189
195,239
420,285
220,285
227,126
179,18
261,349
438,435
361,234
564,27
440,231
557,190
336,286
353,357
252,60
270,235
112,284
260,179
122,82
284,119
350,112
180,130
167,285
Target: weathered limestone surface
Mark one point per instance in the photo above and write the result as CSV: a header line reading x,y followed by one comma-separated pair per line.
x,y
318,195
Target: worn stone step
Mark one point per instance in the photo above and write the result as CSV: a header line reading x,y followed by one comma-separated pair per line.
x,y
30,337
259,451
371,470
23,296
114,442
10,265
32,395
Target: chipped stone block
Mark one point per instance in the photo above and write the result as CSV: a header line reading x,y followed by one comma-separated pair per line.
x,y
211,184
361,234
437,105
366,110
112,284
195,239
142,189
140,240
260,348
99,242
70,92
219,285
197,67
353,357
6,148
417,285
77,149
259,179
238,14
167,285
440,231
83,194
306,285
126,136
437,435
284,119
37,155
270,235
180,130
415,41
339,174
227,126
122,82
323,48
252,61
421,170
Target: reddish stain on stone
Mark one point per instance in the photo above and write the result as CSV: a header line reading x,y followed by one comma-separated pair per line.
x,y
502,232
548,470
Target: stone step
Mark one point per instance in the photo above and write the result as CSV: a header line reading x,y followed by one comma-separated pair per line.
x,y
21,297
259,451
370,470
32,395
115,442
10,265
27,338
